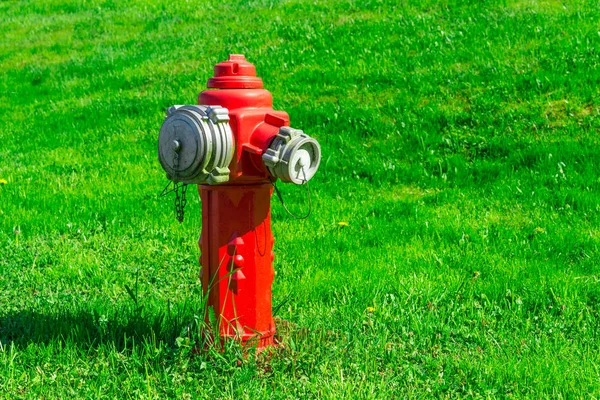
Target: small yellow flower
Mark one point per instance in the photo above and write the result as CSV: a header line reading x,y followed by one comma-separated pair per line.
x,y
3,181
370,309
343,223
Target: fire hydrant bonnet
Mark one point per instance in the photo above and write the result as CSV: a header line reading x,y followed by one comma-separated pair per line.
x,y
235,73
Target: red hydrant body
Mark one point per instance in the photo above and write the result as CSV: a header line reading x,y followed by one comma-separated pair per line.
x,y
237,260
236,241
234,145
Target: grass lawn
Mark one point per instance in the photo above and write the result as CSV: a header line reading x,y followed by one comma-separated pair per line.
x,y
454,244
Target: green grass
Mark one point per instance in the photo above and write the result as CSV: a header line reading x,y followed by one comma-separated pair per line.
x,y
460,145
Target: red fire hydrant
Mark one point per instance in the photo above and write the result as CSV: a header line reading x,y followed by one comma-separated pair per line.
x,y
234,145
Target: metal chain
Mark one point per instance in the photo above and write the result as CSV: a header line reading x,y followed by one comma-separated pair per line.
x,y
175,159
180,202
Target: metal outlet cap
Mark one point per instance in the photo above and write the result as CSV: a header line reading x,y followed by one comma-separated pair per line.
x,y
293,156
195,144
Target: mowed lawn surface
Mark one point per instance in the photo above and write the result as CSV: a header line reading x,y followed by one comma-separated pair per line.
x,y
453,248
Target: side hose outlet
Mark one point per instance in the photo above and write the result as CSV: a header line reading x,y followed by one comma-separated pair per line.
x,y
196,145
293,156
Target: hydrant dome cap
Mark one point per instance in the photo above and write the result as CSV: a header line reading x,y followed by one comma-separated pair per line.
x,y
235,73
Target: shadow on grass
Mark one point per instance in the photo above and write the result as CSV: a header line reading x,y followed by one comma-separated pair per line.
x,y
90,328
